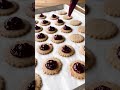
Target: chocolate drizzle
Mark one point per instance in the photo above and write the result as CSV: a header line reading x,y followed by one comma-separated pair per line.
x,y
118,52
44,47
4,4
102,87
66,27
31,86
58,37
51,65
51,28
40,36
66,49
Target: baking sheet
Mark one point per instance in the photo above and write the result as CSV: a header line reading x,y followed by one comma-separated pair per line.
x,y
63,80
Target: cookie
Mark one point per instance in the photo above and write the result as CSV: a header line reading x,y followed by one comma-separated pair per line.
x,y
66,17
82,50
81,29
66,29
38,29
75,22
41,37
114,56
14,27
36,21
45,48
77,69
112,7
90,59
36,62
42,16
8,7
103,85
45,23
21,54
54,17
58,39
52,66
101,29
66,50
62,12
51,30
38,81
77,38
2,83
59,22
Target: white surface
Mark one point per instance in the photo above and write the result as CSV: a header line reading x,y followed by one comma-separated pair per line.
x,y
63,80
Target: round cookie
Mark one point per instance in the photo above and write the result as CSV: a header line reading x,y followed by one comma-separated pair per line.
x,y
77,69
59,22
114,56
54,17
62,12
45,23
66,51
66,29
75,22
2,83
14,27
81,29
82,50
8,8
52,66
21,54
102,85
51,30
45,48
66,17
77,38
58,39
101,29
38,29
112,7
41,37
42,16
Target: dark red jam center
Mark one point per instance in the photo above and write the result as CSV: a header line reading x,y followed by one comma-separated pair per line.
x,y
51,64
37,27
51,28
102,87
22,50
44,21
41,15
54,16
66,49
31,86
40,35
66,27
118,52
14,23
33,7
79,68
44,47
4,4
60,21
58,37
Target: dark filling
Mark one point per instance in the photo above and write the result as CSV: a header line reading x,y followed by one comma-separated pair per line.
x,y
79,68
66,27
118,52
44,21
14,23
31,86
60,21
102,87
33,7
4,4
37,27
44,47
22,50
51,64
51,28
41,35
58,37
54,16
41,15
66,49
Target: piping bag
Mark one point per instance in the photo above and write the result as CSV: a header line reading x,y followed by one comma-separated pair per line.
x,y
72,6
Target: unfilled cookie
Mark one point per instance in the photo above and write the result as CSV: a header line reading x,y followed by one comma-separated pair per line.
x,y
52,66
51,30
81,29
77,69
38,29
9,8
14,27
66,17
45,48
2,83
62,12
66,29
59,22
20,54
58,39
75,22
101,29
66,50
41,37
45,23
77,38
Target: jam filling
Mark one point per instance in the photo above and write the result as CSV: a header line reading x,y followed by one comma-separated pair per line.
x,y
31,86
51,64
37,27
22,50
14,23
66,49
51,28
102,87
40,35
44,21
118,52
44,47
54,16
41,15
60,21
33,7
4,4
58,37
66,27
79,68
